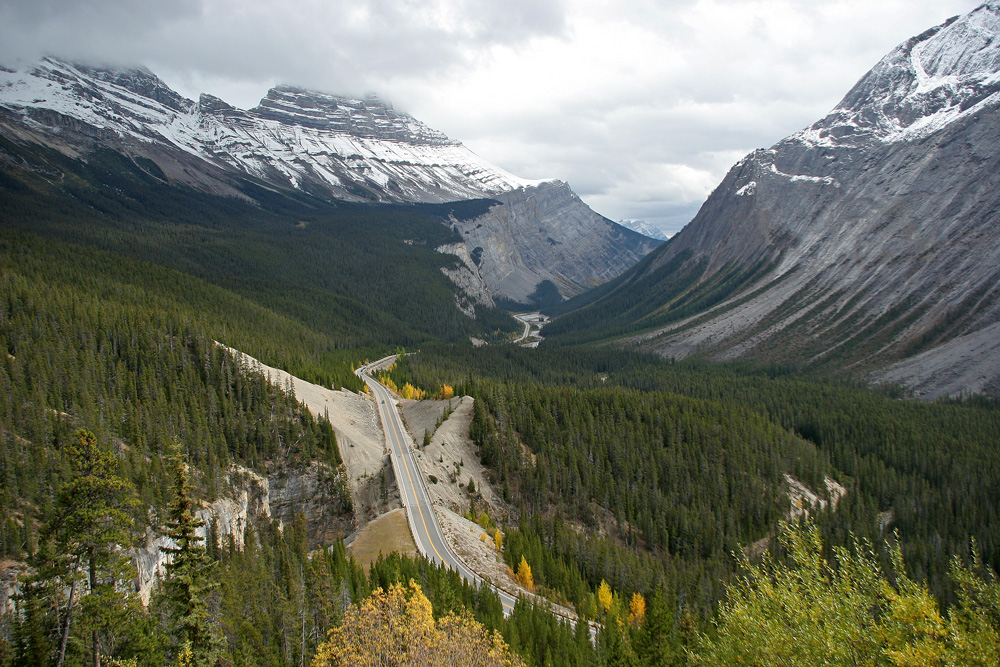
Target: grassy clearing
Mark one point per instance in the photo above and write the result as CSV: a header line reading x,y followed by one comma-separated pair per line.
x,y
390,532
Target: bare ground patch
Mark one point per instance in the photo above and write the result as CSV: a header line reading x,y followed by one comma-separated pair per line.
x,y
476,548
451,458
390,532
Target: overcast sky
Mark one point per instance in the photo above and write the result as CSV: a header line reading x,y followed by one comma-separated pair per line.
x,y
641,105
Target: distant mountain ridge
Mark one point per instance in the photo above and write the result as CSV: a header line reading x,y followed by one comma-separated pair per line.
x,y
867,242
644,228
335,148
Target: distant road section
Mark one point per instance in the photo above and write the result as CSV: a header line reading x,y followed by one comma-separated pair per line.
x,y
530,338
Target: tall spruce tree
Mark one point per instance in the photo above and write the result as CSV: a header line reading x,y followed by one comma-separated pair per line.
x,y
188,584
90,527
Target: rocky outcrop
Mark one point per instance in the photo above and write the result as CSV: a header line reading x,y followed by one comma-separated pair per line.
x,y
467,277
370,118
315,491
544,232
803,501
319,493
865,239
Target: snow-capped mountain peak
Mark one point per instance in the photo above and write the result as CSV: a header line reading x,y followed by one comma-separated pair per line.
x,y
338,146
644,228
927,82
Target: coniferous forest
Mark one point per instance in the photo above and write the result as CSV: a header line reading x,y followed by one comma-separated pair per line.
x,y
650,496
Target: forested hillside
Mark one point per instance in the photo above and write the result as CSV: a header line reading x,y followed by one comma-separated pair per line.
x,y
682,463
364,275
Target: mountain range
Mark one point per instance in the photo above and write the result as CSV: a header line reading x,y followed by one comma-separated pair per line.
x,y
644,228
333,148
192,295
866,242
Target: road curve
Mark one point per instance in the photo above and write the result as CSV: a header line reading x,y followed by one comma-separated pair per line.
x,y
426,530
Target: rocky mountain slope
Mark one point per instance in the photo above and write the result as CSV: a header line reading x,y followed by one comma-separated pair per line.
x,y
544,235
331,147
860,242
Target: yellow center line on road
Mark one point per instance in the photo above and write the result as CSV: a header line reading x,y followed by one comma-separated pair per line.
x,y
423,520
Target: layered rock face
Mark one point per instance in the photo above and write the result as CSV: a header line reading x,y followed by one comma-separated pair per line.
x,y
329,146
546,233
250,498
878,226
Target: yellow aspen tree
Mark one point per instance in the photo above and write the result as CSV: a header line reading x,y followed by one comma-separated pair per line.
x,y
397,627
524,575
383,630
498,540
637,609
604,596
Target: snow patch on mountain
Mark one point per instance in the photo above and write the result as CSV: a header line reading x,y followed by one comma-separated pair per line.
x,y
357,149
930,81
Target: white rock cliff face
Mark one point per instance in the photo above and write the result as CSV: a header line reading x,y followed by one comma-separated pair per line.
x,y
250,498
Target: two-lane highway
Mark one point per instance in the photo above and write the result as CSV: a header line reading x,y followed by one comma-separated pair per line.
x,y
426,530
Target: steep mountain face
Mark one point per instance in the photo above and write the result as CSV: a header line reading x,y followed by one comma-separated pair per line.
x,y
866,239
545,233
332,147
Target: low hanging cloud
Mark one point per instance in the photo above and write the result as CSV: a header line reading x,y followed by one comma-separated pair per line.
x,y
641,105
315,42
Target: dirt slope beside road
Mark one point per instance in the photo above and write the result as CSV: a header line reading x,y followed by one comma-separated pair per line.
x,y
451,457
359,435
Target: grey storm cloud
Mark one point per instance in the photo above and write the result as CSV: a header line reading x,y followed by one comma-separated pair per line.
x,y
641,105
306,40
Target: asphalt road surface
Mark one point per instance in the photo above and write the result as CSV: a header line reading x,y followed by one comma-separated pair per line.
x,y
426,530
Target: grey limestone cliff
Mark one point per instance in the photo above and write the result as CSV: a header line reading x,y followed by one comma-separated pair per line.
x,y
543,233
313,491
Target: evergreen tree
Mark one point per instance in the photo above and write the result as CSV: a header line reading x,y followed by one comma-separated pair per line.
x,y
656,642
188,580
90,526
36,619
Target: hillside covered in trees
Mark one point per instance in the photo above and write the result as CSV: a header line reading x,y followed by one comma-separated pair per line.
x,y
678,465
628,482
